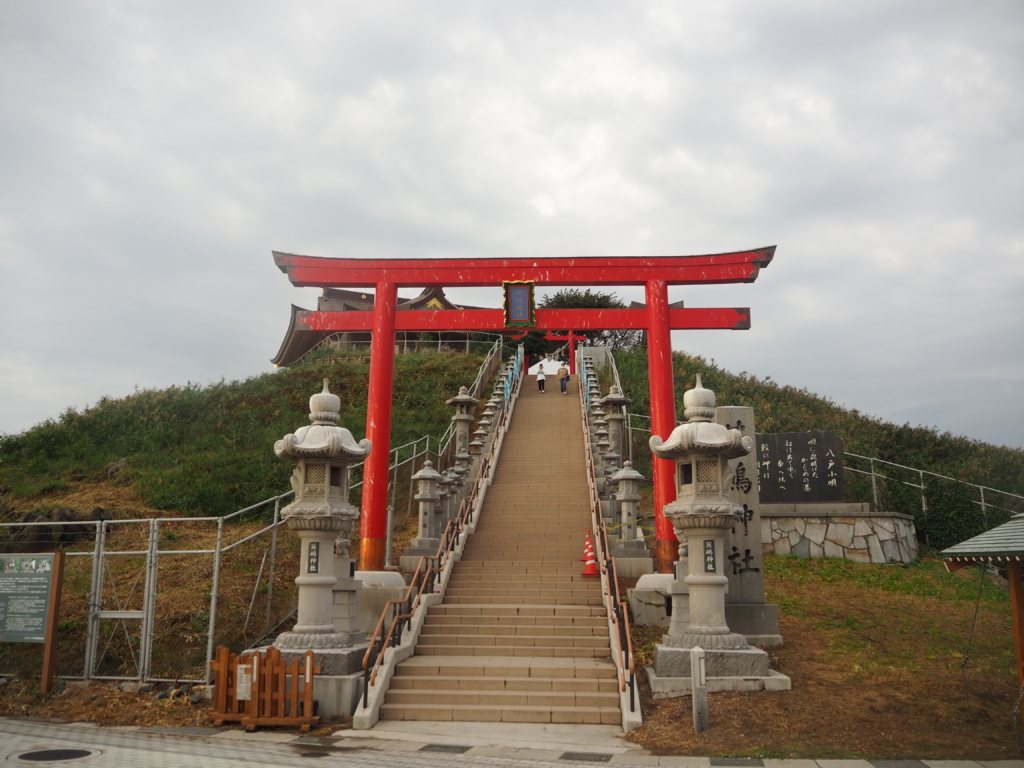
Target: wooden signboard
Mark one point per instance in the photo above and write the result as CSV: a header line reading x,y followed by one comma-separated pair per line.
x,y
30,603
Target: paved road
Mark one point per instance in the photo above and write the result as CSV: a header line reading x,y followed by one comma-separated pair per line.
x,y
194,747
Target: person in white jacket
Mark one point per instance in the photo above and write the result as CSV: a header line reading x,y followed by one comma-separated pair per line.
x,y
540,378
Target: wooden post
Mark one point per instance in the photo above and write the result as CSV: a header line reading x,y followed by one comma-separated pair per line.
x,y
1017,605
52,620
699,690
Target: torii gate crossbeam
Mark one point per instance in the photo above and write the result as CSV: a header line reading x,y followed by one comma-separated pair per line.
x,y
385,276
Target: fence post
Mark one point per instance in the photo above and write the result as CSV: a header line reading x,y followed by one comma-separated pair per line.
x,y
924,499
273,558
149,599
389,539
874,487
213,601
95,597
984,512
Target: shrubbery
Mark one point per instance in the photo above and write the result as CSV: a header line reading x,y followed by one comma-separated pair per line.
x,y
209,450
953,512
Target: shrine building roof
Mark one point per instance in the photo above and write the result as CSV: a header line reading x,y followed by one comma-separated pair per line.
x,y
1004,542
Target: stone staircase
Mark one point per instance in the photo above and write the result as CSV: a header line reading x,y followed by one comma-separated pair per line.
x,y
521,635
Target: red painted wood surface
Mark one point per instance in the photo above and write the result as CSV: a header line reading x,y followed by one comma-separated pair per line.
x,y
374,522
736,267
663,417
730,318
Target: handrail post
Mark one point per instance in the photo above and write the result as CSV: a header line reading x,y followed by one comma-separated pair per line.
x,y
874,487
924,499
213,601
273,559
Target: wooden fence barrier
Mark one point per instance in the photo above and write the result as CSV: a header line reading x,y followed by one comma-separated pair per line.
x,y
262,689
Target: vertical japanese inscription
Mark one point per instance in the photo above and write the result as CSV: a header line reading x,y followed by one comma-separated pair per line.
x,y
797,467
313,557
518,303
710,564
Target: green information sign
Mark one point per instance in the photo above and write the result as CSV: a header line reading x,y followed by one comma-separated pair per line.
x,y
24,597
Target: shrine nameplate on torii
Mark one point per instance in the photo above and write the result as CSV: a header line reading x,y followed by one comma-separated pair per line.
x,y
385,276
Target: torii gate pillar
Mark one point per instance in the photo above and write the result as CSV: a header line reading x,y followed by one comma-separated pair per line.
x,y
373,530
663,416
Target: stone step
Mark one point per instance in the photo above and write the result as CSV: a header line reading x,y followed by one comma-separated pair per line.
x,y
539,594
511,600
522,579
438,627
451,683
559,611
481,666
513,714
538,638
502,698
519,651
588,623
517,567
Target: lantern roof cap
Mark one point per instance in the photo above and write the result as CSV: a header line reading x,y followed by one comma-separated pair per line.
x,y
323,438
463,398
427,472
627,473
700,435
615,397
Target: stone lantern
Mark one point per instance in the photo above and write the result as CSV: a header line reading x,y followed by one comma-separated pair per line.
x,y
428,480
320,515
702,515
614,404
627,482
463,418
456,486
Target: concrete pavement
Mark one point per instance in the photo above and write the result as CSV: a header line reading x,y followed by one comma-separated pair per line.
x,y
396,745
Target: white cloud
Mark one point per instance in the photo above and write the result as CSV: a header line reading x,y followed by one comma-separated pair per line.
x,y
154,154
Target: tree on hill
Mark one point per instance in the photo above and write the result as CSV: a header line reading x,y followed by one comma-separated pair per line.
x,y
574,298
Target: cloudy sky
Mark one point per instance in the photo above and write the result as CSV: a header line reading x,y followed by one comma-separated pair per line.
x,y
152,154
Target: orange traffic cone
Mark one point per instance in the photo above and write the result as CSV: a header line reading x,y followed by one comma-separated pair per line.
x,y
587,545
591,567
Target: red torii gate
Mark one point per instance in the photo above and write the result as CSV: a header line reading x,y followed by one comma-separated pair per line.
x,y
385,276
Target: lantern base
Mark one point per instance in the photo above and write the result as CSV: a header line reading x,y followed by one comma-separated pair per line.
x,y
675,687
318,641
333,661
672,662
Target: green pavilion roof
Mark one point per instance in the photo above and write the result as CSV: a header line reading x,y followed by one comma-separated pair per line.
x,y
1001,543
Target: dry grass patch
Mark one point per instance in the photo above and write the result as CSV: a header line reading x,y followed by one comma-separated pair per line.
x,y
874,653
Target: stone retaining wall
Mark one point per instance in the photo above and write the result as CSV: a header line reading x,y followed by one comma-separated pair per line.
x,y
852,534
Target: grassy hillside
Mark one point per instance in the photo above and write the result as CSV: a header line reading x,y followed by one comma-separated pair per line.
x,y
952,515
209,450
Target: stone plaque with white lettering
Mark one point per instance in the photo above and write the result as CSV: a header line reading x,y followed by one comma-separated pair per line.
x,y
798,467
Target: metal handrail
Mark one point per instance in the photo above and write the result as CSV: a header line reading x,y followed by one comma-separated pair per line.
x,y
921,473
625,664
430,566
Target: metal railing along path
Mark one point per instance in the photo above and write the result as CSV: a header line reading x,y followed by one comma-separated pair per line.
x,y
617,614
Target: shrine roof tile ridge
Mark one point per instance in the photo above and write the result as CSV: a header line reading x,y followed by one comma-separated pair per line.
x,y
1006,540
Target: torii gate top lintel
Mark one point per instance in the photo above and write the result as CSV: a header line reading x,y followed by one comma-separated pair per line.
x,y
735,267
